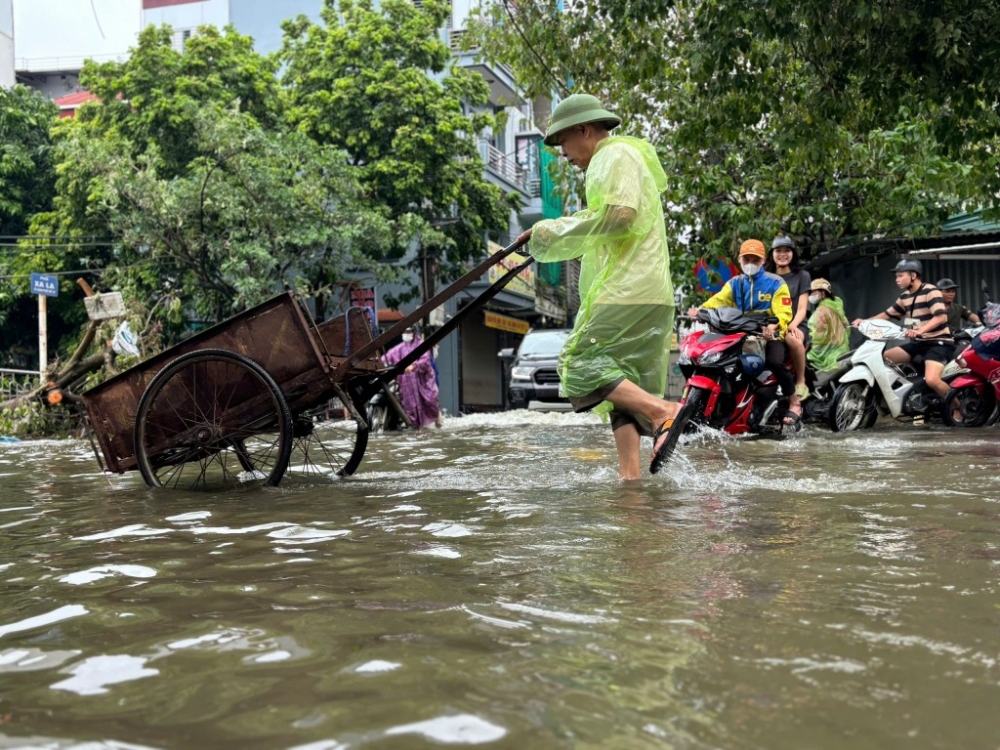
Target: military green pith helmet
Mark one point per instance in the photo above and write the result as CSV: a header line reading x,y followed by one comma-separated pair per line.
x,y
578,109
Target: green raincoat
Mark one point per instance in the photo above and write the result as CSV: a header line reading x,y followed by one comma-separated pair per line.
x,y
626,311
830,333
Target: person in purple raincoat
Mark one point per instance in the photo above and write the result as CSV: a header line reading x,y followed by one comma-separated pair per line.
x,y
418,389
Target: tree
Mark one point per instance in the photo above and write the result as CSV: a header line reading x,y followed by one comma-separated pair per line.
x,y
377,84
27,176
818,118
148,98
253,210
27,186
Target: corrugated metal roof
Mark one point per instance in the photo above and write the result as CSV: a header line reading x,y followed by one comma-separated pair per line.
x,y
969,223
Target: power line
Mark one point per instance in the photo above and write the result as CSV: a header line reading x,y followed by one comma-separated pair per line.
x,y
52,236
546,68
97,20
11,246
84,271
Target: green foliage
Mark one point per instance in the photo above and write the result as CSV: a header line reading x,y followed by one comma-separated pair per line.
x,y
26,173
377,83
253,210
827,119
149,98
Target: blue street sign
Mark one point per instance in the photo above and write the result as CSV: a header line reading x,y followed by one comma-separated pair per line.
x,y
44,285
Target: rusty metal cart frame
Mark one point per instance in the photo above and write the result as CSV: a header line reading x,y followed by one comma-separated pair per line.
x,y
233,402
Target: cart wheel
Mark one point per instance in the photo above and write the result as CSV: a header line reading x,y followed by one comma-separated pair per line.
x,y
210,418
325,446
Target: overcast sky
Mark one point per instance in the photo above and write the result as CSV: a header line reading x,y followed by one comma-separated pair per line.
x,y
68,28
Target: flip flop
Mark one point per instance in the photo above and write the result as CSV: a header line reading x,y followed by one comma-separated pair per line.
x,y
791,417
793,420
662,447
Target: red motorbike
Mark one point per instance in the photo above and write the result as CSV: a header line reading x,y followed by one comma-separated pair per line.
x,y
974,395
729,387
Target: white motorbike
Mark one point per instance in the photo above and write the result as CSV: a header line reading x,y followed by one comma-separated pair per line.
x,y
873,385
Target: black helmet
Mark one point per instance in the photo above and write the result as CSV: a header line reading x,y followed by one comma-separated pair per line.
x,y
908,264
945,284
783,242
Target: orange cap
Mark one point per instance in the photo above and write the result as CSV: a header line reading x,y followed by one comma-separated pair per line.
x,y
753,247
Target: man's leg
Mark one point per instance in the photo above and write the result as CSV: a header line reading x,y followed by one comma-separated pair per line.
x,y
932,376
898,355
627,444
627,396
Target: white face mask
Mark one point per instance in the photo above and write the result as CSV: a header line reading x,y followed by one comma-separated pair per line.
x,y
814,299
750,268
407,337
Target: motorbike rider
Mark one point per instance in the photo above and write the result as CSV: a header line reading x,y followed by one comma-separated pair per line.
x,y
757,291
784,261
925,318
828,327
957,312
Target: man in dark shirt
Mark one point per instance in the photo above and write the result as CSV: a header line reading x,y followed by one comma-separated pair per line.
x,y
924,316
957,312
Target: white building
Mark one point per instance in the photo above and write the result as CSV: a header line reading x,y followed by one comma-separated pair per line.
x,y
54,37
7,43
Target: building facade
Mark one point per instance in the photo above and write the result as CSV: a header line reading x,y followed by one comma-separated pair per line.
x,y
7,43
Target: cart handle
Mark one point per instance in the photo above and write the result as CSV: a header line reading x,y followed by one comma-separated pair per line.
x,y
344,368
478,303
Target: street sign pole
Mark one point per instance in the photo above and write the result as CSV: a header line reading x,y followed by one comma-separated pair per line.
x,y
43,336
44,286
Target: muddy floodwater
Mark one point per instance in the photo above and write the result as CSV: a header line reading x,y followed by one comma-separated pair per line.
x,y
492,584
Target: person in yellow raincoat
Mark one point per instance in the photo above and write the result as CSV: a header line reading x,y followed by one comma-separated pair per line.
x,y
616,358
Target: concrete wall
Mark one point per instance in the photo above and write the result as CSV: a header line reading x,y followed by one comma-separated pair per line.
x,y
189,15
6,43
52,85
58,35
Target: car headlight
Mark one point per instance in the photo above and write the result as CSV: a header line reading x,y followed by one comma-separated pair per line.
x,y
521,373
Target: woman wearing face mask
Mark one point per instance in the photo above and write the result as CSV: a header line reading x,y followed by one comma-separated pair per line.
x,y
828,327
418,391
784,261
756,290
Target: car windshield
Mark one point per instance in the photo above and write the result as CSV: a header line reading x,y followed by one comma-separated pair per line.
x,y
542,344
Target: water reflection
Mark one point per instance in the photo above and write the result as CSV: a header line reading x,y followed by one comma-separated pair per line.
x,y
493,584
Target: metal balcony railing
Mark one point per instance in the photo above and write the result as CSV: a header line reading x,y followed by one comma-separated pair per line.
x,y
504,166
68,63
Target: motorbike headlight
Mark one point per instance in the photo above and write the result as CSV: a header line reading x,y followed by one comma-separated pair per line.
x,y
521,373
710,359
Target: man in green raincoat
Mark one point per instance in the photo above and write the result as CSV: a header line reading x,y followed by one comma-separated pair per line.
x,y
616,359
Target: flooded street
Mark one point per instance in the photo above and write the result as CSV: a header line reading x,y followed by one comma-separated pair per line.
x,y
492,584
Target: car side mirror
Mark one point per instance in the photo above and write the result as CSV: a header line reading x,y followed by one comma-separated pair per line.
x,y
506,354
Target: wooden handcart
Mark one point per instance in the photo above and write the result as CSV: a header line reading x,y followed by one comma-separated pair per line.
x,y
240,403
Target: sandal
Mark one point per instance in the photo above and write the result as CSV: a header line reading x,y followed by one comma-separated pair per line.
x,y
793,420
792,416
662,447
